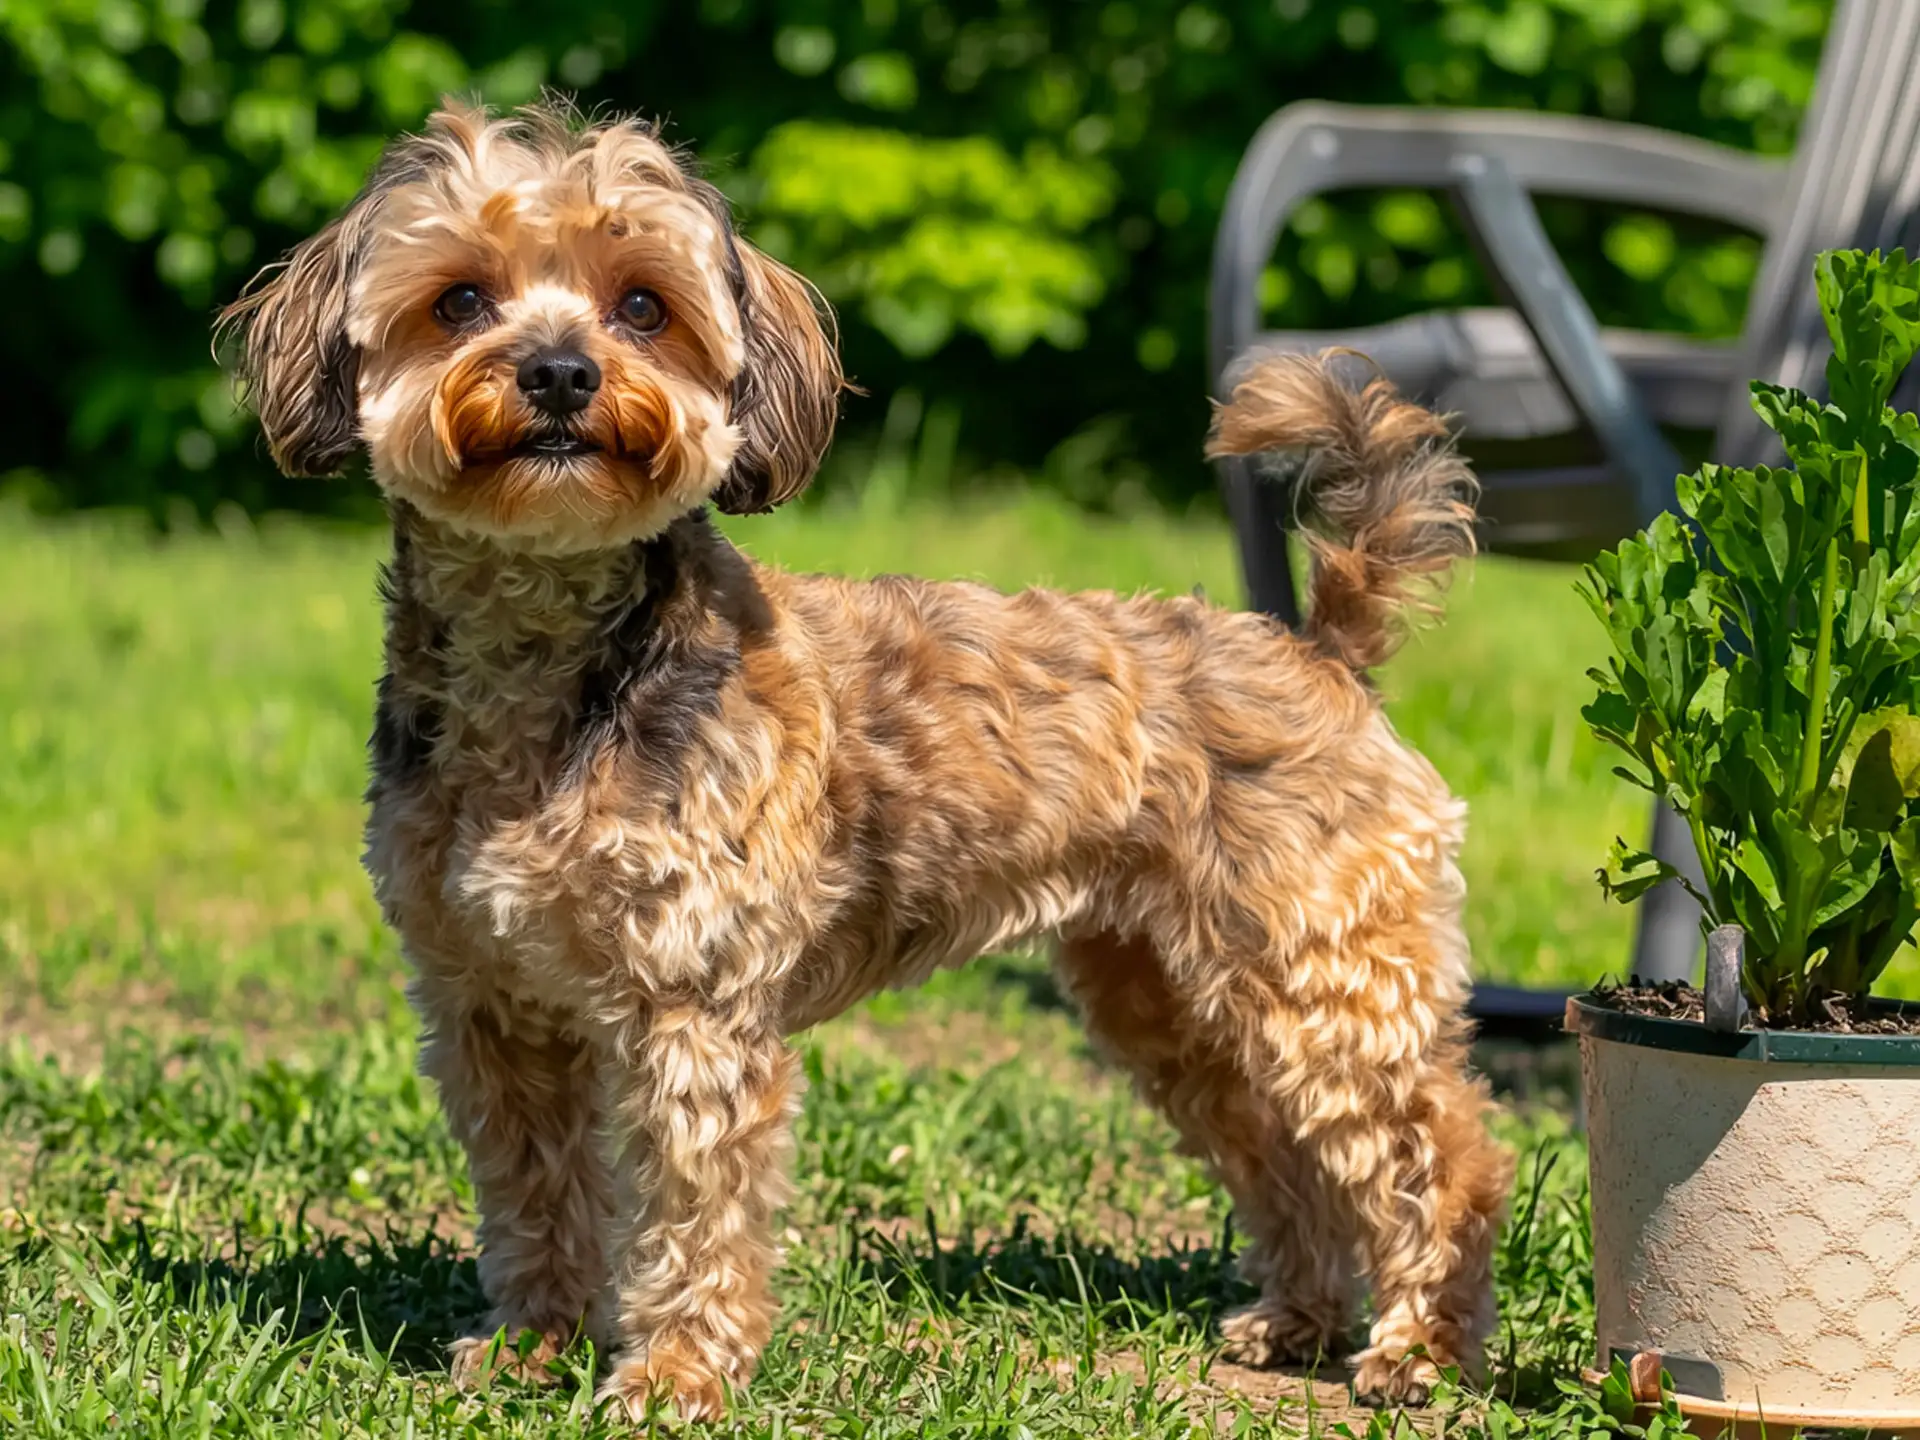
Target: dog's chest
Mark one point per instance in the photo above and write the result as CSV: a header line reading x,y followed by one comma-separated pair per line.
x,y
465,850
478,833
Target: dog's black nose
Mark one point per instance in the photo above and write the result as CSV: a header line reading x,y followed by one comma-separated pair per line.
x,y
558,381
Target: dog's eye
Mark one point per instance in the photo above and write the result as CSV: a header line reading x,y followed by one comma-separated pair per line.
x,y
460,304
643,310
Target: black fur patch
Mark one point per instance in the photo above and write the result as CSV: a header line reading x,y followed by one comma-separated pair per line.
x,y
405,728
403,738
665,668
390,581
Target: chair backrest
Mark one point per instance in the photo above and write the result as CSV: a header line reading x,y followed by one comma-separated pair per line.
x,y
1855,184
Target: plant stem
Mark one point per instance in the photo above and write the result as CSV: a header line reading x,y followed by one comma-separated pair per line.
x,y
1860,537
1822,678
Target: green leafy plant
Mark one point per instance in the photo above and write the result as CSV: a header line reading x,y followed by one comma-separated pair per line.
x,y
1765,679
930,236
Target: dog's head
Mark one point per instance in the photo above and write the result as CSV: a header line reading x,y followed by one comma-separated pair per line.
x,y
543,331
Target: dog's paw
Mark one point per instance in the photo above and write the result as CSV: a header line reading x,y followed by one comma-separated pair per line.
x,y
520,1354
1273,1332
643,1387
1381,1379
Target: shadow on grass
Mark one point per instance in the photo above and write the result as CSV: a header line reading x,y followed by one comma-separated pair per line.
x,y
1531,1354
407,1298
1541,1072
1023,1269
1028,976
1181,1289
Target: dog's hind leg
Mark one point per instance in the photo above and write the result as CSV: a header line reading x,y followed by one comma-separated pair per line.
x,y
1300,1248
1359,1049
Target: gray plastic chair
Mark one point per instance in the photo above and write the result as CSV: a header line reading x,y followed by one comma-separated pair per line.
x,y
1542,368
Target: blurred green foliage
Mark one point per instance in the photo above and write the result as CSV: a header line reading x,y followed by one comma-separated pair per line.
x,y
1012,201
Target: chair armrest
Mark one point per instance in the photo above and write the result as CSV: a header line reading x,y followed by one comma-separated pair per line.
x,y
1524,265
1313,147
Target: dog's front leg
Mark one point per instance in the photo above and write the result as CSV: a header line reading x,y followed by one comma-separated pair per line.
x,y
522,1098
702,1096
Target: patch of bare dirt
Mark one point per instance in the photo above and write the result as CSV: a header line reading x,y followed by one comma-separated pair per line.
x,y
1151,1230
321,1218
76,1039
1314,1400
77,1033
971,1042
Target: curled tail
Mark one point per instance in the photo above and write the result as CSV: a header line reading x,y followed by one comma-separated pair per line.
x,y
1385,501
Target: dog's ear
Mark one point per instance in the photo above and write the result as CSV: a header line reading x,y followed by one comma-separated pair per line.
x,y
296,365
788,394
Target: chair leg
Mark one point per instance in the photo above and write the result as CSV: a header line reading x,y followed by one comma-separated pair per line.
x,y
1667,946
1261,508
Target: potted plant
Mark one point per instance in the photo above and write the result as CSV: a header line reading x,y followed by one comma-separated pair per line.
x,y
1755,1149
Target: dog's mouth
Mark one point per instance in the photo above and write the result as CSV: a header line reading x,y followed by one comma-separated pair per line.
x,y
554,445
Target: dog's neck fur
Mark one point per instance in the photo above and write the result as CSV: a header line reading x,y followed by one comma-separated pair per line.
x,y
507,668
488,647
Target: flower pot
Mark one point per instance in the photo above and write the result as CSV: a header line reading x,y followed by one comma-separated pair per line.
x,y
1756,1216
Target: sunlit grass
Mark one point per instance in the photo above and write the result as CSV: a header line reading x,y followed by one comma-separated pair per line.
x,y
229,1207
182,721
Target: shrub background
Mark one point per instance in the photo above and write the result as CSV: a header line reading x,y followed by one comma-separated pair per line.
x,y
1012,203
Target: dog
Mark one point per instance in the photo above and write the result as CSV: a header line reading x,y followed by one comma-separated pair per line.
x,y
642,808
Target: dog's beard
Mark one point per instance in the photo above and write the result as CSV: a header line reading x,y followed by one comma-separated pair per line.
x,y
646,450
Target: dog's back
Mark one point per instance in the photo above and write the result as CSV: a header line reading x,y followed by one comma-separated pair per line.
x,y
1252,878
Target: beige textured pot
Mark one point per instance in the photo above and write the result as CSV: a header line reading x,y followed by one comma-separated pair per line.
x,y
1756,1216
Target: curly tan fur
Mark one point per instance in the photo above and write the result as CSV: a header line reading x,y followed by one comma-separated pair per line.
x,y
1387,500
642,809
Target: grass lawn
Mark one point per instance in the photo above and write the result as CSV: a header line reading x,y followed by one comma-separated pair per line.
x,y
228,1206
182,729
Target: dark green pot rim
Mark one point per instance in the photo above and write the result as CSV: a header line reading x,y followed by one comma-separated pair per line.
x,y
1775,1047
